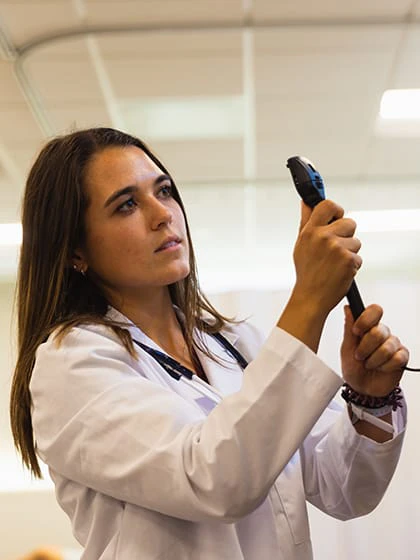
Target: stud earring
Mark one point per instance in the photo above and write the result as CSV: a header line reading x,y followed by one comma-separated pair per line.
x,y
80,270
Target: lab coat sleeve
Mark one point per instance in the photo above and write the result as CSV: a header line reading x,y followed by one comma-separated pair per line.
x,y
346,474
98,422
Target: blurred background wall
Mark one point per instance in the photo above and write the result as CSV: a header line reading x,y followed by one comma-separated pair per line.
x,y
225,91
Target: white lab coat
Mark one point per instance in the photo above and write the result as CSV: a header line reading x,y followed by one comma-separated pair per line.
x,y
145,471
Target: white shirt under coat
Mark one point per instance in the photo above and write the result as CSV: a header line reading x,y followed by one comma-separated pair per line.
x,y
146,472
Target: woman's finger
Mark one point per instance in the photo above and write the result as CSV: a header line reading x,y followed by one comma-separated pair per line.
x,y
305,214
368,319
344,227
325,212
372,341
383,356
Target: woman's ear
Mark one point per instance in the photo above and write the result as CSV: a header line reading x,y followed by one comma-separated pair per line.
x,y
78,262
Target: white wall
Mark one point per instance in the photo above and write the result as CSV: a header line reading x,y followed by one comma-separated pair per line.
x,y
31,518
6,359
391,531
29,514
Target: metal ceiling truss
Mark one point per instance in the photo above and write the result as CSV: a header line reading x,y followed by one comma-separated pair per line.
x,y
18,54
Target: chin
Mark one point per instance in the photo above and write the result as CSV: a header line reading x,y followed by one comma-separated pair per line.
x,y
181,275
177,274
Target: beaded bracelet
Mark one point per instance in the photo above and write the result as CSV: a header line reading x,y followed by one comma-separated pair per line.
x,y
367,401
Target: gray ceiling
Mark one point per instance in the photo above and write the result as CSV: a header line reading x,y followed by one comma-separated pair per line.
x,y
223,90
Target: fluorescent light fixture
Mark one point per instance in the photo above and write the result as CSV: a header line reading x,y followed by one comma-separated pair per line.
x,y
10,235
387,220
399,114
184,118
400,104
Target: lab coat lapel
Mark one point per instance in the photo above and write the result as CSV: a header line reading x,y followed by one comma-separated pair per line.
x,y
225,374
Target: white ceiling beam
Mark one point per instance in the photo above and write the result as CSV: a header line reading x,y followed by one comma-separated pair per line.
x,y
105,84
7,49
63,34
100,70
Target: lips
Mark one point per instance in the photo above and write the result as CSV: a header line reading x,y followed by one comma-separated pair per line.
x,y
169,242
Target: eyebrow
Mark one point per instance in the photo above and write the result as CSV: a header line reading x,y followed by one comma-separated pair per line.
x,y
133,188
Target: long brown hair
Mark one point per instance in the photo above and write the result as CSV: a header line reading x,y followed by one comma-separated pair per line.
x,y
50,294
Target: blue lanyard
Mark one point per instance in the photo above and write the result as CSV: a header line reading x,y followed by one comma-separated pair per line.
x,y
177,370
230,349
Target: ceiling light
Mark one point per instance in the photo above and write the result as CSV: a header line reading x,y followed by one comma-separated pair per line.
x,y
400,104
387,220
184,118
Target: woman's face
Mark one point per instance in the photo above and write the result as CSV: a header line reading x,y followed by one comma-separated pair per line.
x,y
135,230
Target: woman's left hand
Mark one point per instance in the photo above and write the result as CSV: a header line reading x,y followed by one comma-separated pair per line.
x,y
372,359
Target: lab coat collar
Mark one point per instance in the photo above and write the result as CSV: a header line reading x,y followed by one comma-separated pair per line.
x,y
227,383
139,335
136,332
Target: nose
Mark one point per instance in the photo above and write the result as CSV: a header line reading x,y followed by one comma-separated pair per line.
x,y
160,214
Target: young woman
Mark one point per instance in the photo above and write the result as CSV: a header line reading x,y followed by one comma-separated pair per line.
x,y
170,431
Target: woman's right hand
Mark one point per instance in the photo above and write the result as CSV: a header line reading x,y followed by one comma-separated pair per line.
x,y
325,255
326,262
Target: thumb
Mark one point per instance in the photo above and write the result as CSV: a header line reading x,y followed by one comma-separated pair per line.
x,y
305,214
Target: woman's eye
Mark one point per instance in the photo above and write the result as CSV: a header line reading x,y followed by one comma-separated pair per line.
x,y
127,206
166,191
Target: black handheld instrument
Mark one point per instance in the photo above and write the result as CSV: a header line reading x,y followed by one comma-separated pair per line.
x,y
310,186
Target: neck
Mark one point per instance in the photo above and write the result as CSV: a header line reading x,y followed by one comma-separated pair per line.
x,y
154,314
